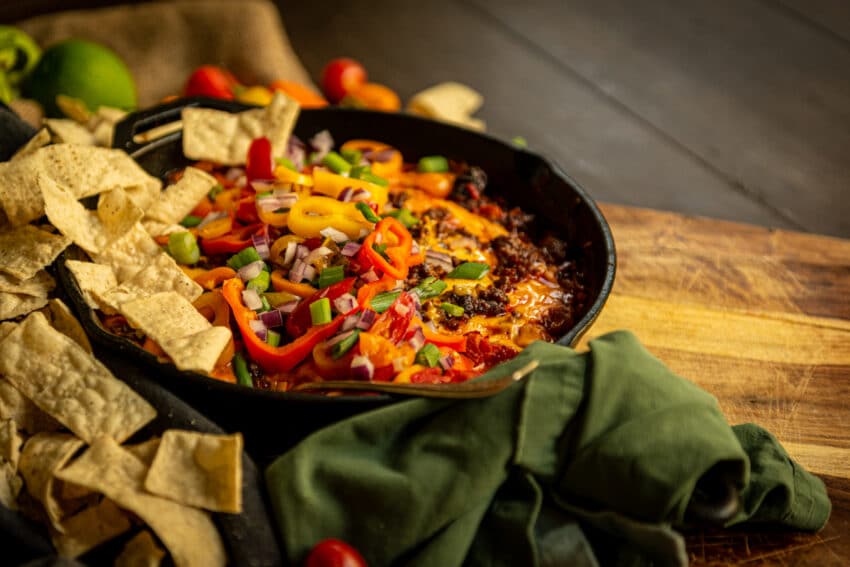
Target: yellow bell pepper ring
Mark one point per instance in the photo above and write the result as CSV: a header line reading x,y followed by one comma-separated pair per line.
x,y
331,184
289,176
259,95
310,215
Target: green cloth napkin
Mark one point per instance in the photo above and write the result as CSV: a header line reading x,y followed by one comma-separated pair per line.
x,y
593,458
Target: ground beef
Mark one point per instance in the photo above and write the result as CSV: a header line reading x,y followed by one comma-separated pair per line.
x,y
515,220
516,259
421,271
490,302
558,320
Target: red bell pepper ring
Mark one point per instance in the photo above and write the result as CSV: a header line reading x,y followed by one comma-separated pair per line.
x,y
281,358
260,163
370,290
238,239
394,260
392,324
299,321
246,209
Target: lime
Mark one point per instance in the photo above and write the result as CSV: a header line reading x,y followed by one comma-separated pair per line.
x,y
83,70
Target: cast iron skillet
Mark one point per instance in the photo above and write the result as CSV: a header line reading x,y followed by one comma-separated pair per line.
x,y
274,421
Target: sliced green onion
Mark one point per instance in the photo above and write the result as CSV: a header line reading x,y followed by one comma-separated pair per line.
x,y
382,301
345,345
312,156
183,247
285,162
272,338
240,368
320,311
429,287
367,211
469,271
429,356
243,258
451,309
352,156
263,194
266,305
336,163
381,249
404,216
191,220
260,283
331,275
520,142
433,164
359,170
372,178
213,193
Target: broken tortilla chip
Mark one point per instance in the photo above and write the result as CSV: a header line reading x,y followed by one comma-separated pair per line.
x,y
25,250
88,529
188,534
178,200
62,319
10,443
199,469
41,139
10,486
224,137
200,351
141,551
14,304
130,253
68,383
145,451
164,316
15,406
67,131
94,280
39,285
162,274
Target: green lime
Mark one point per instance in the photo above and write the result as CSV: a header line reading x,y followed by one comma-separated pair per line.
x,y
84,70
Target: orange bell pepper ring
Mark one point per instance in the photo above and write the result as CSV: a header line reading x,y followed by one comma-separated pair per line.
x,y
388,247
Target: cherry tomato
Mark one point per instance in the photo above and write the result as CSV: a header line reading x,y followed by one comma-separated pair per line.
x,y
334,553
341,76
212,81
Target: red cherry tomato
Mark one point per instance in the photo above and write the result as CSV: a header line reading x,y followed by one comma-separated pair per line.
x,y
341,76
212,81
334,553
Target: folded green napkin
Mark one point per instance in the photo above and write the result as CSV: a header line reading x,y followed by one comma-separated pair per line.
x,y
593,458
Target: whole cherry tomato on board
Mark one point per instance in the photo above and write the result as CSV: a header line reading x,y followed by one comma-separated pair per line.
x,y
212,81
341,76
334,553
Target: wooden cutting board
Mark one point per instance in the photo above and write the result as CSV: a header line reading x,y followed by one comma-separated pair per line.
x,y
761,319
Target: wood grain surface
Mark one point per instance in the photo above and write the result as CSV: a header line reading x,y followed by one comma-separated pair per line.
x,y
761,319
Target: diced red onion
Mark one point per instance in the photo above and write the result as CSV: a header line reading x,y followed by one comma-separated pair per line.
x,y
336,235
345,194
350,249
322,143
251,299
345,303
548,283
214,215
339,337
440,259
234,173
296,274
261,244
295,152
350,322
289,306
362,368
417,338
289,254
301,252
259,329
370,276
366,320
309,273
381,156
319,252
251,271
360,195
399,363
447,361
414,248
272,319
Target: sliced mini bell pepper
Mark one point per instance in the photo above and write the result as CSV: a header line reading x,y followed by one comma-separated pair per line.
x,y
299,321
331,184
216,228
395,243
455,342
281,283
210,279
391,160
394,322
246,209
238,239
310,215
370,290
281,358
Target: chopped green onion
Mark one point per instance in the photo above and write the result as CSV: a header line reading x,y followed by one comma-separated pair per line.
x,y
272,338
359,170
285,162
433,164
213,193
372,178
263,194
243,258
345,345
336,163
183,247
312,156
367,211
429,287
469,271
320,311
451,309
520,142
261,282
382,301
266,305
191,220
429,356
331,275
404,216
240,368
381,249
352,156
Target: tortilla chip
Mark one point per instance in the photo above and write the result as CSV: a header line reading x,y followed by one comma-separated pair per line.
x,y
60,317
198,352
164,316
145,451
188,534
6,327
10,486
179,199
10,443
39,285
162,274
69,131
88,529
70,384
130,253
41,139
449,102
102,124
44,454
14,304
158,228
141,551
199,469
81,170
92,231
224,137
93,279
25,250
15,406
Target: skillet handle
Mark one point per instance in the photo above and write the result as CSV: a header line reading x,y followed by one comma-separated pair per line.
x,y
143,121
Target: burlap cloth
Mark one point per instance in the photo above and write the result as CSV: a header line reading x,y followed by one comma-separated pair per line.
x,y
162,42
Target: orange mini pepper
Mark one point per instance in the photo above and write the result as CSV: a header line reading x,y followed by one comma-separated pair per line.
x,y
395,243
